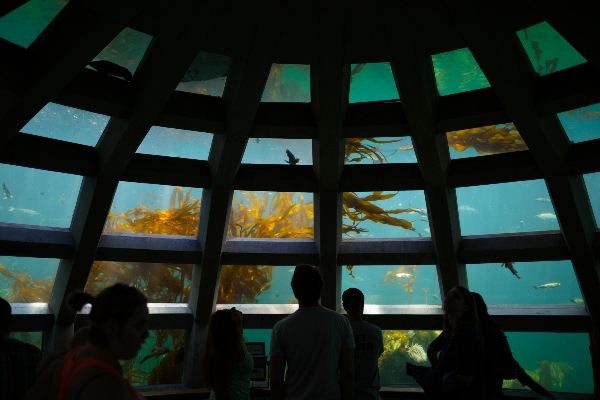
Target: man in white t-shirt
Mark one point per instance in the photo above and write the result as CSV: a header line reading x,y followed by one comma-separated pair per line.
x,y
317,344
369,346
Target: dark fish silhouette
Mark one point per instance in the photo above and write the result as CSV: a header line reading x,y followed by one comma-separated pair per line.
x,y
110,68
7,194
155,353
511,268
292,158
257,140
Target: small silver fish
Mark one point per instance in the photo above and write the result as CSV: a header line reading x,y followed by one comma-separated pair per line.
x,y
25,211
546,216
403,275
421,211
543,200
436,296
577,300
467,209
547,285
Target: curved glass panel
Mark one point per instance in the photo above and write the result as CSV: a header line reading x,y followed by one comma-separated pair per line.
x,y
540,282
36,197
558,361
174,142
160,283
385,214
271,215
274,151
592,184
457,71
126,50
288,83
491,139
24,24
160,361
506,208
67,123
393,284
380,150
33,338
372,82
254,284
547,50
27,279
582,124
206,75
154,209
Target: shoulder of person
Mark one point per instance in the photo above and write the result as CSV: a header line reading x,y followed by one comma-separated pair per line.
x,y
107,385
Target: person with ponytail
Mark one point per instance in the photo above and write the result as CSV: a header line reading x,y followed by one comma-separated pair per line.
x,y
118,329
227,364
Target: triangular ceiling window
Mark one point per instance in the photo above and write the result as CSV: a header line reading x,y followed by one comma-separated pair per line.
x,y
547,50
24,24
287,83
457,71
372,82
206,75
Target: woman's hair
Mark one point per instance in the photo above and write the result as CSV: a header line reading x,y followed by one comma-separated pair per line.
x,y
485,319
307,284
224,345
117,302
470,315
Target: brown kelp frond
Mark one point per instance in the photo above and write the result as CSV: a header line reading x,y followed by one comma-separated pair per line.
x,y
24,289
356,150
405,276
491,139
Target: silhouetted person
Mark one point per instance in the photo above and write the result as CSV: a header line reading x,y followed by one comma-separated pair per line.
x,y
369,346
18,360
317,344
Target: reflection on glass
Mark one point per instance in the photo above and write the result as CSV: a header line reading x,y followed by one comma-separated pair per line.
x,y
154,209
457,71
395,215
274,151
288,83
592,184
547,50
271,215
491,139
253,284
558,361
160,361
581,124
206,75
380,150
24,24
67,123
172,142
26,279
540,282
126,49
33,338
372,82
160,283
36,197
506,208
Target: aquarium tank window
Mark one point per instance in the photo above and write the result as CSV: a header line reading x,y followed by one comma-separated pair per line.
x,y
278,151
206,75
581,124
173,142
538,282
592,183
36,197
70,124
154,209
394,284
271,215
33,338
379,150
457,71
506,208
547,50
287,83
385,214
27,279
490,139
24,24
126,50
372,82
256,284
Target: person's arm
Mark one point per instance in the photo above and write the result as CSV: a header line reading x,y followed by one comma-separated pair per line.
x,y
347,373
509,365
539,389
276,372
432,356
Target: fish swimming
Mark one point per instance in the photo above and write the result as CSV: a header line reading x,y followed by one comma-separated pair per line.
x,y
25,211
292,160
511,268
404,147
546,216
543,200
156,352
257,140
436,296
467,209
421,211
577,300
403,275
7,194
547,285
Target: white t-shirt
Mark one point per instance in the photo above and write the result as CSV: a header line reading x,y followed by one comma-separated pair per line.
x,y
369,346
311,340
